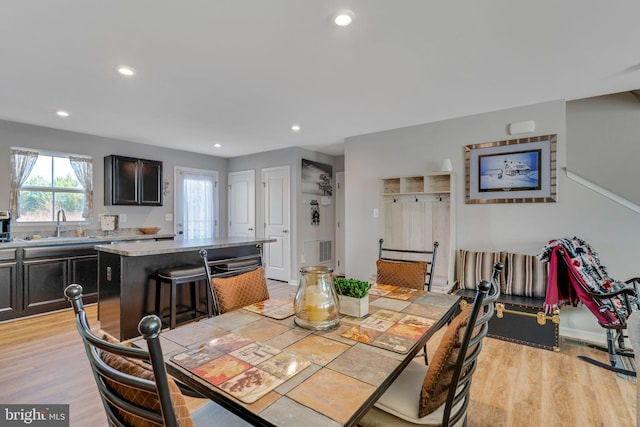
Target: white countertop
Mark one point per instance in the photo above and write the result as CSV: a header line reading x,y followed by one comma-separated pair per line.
x,y
174,246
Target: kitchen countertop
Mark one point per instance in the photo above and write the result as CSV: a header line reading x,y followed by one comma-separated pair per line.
x,y
60,241
175,246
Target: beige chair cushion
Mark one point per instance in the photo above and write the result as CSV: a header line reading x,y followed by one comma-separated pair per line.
x,y
474,266
148,400
239,291
399,405
404,274
525,276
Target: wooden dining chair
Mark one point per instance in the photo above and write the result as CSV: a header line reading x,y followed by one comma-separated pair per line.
x,y
438,394
231,293
133,383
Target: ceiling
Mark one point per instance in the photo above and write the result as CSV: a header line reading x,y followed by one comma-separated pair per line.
x,y
241,72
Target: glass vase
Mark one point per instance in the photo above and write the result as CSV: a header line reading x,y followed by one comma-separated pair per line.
x,y
316,301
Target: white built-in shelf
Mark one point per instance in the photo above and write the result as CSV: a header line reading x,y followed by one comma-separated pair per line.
x,y
417,211
437,183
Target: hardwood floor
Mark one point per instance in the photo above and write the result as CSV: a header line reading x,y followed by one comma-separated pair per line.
x,y
42,360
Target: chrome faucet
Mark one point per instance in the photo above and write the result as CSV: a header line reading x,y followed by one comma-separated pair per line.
x,y
64,219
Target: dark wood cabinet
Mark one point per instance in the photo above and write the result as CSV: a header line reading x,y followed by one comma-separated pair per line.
x,y
9,302
44,283
47,271
132,181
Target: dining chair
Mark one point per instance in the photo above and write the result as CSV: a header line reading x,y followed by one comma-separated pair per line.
x,y
439,394
231,293
406,273
133,383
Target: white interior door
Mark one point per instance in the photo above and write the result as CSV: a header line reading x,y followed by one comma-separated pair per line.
x,y
277,255
340,245
242,203
195,203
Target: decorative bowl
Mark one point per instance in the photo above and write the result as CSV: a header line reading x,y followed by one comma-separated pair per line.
x,y
149,230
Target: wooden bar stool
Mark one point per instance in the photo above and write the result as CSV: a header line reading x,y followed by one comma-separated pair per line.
x,y
174,276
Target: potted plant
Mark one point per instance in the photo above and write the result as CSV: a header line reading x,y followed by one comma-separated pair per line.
x,y
353,294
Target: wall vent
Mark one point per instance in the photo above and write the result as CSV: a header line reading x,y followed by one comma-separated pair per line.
x,y
325,251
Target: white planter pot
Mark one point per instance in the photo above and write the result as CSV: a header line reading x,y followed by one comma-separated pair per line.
x,y
356,307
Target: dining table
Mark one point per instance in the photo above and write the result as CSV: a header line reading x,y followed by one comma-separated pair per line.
x,y
259,364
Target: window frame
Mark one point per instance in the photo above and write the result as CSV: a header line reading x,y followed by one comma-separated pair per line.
x,y
52,189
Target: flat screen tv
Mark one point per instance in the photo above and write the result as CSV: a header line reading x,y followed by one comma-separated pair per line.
x,y
512,171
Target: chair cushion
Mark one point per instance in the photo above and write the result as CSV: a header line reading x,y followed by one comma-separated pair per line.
x,y
525,276
193,272
438,378
399,406
140,369
404,274
241,290
474,266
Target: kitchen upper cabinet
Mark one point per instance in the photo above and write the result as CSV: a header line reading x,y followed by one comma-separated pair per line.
x,y
131,181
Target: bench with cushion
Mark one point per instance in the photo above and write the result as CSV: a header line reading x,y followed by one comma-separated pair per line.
x,y
520,315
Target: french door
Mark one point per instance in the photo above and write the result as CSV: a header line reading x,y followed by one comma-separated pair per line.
x,y
196,202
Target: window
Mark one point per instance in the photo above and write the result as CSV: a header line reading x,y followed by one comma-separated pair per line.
x,y
43,183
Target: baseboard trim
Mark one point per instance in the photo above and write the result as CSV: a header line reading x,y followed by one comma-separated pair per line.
x,y
581,335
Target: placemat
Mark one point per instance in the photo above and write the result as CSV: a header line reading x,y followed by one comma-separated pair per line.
x,y
241,367
390,330
392,291
276,308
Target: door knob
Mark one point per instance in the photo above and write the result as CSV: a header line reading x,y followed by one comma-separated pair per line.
x,y
285,231
251,229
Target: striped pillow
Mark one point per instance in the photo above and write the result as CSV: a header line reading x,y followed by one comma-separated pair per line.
x,y
476,266
526,276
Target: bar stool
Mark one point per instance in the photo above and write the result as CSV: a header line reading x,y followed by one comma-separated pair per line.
x,y
187,274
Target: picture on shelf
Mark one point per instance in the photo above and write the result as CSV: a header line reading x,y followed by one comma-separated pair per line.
x,y
516,171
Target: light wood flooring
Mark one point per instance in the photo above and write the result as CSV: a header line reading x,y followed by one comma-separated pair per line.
x,y
42,361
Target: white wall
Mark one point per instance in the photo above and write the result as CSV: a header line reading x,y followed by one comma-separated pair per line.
x,y
613,230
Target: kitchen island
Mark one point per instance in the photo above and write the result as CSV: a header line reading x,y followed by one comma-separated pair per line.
x,y
126,291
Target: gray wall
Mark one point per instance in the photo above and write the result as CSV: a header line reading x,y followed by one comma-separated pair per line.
x,y
612,229
602,139
300,210
21,135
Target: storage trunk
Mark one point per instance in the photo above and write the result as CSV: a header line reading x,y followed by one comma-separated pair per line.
x,y
521,320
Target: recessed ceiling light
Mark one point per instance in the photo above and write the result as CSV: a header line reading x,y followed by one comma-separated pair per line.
x,y
217,145
343,18
295,128
62,113
126,71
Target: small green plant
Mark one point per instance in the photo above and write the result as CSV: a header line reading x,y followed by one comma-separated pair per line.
x,y
351,287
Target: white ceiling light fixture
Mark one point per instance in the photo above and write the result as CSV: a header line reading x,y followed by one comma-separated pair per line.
x,y
295,128
217,145
62,113
126,70
343,18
